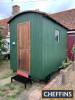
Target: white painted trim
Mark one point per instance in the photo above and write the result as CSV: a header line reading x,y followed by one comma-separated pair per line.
x,y
71,32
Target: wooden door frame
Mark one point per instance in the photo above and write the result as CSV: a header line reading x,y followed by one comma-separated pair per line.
x,y
17,42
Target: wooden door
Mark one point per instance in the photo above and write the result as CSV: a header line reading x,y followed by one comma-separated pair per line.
x,y
71,41
24,46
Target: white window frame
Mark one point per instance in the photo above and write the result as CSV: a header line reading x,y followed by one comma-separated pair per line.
x,y
57,33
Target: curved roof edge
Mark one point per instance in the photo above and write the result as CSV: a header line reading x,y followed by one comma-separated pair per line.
x,y
38,12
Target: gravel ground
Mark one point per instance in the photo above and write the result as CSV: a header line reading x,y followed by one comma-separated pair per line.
x,y
34,91
5,70
15,90
31,93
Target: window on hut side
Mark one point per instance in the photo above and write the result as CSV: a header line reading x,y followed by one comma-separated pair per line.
x,y
57,35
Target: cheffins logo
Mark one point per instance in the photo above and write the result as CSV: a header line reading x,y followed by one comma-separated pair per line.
x,y
57,94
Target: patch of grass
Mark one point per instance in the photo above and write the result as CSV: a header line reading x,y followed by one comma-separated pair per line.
x,y
1,62
1,93
6,75
10,98
3,88
11,91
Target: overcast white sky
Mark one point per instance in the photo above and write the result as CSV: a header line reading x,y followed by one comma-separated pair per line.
x,y
50,6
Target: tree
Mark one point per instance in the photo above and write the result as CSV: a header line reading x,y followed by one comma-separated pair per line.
x,y
2,48
73,51
1,39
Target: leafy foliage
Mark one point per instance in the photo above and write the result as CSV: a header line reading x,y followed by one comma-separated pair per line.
x,y
2,43
73,49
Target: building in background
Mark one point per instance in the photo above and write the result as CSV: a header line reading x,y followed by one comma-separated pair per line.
x,y
4,25
67,19
5,29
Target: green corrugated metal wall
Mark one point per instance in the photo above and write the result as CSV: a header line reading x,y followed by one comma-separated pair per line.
x,y
53,52
46,53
